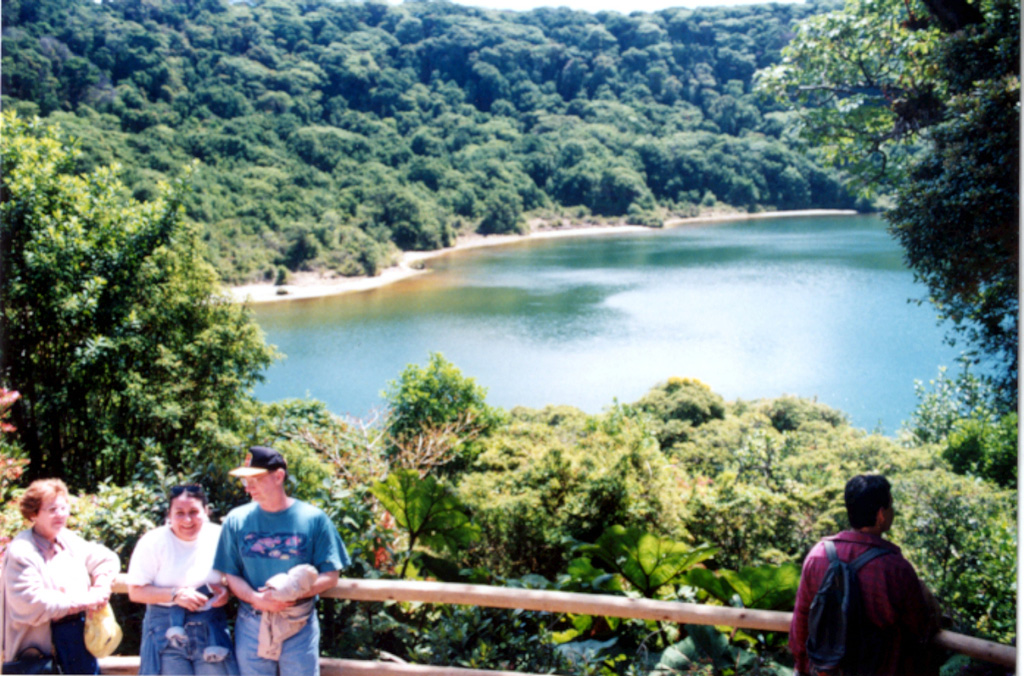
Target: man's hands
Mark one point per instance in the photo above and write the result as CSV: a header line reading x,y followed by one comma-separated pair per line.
x,y
264,600
260,600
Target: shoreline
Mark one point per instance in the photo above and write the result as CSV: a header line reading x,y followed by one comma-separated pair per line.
x,y
306,285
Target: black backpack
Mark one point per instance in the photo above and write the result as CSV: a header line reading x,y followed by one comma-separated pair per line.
x,y
840,637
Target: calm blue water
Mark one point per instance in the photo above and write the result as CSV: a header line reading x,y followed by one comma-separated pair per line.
x,y
815,307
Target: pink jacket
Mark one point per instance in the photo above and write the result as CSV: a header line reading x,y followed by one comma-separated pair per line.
x,y
36,591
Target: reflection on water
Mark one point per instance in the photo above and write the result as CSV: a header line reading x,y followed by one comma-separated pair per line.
x,y
816,307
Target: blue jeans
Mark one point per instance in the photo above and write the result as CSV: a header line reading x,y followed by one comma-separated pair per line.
x,y
300,654
199,637
68,636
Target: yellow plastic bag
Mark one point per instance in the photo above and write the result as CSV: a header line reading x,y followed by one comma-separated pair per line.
x,y
102,632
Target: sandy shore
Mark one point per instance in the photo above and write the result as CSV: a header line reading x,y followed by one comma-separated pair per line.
x,y
317,285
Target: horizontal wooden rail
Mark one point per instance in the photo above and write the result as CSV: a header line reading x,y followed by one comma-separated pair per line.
x,y
607,606
620,606
558,602
329,666
989,651
334,667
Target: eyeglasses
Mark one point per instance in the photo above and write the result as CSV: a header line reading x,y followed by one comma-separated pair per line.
x,y
186,488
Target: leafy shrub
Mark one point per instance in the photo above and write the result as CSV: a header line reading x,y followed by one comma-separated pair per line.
x,y
428,512
677,406
438,398
706,650
647,562
754,525
946,401
763,587
710,449
962,537
985,449
554,476
118,516
488,638
822,455
789,413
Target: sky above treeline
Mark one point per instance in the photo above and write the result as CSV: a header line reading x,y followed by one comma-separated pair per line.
x,y
623,6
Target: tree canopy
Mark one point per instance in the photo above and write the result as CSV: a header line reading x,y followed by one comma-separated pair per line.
x,y
922,100
113,329
333,134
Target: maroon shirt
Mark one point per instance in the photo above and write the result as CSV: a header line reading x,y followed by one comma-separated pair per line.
x,y
893,600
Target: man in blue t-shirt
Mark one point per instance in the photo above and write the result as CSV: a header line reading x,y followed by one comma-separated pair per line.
x,y
272,535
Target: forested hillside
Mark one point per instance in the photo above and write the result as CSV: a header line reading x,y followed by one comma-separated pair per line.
x,y
332,134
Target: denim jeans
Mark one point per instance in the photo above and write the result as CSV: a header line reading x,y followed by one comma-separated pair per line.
x,y
300,654
197,647
69,645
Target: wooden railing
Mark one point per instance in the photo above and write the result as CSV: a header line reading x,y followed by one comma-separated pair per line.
x,y
560,602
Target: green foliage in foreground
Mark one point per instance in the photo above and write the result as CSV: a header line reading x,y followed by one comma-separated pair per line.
x,y
647,562
964,415
679,405
554,477
113,329
962,537
764,587
333,134
427,511
562,500
985,449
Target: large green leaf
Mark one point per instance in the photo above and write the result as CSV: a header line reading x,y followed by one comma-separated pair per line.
x,y
647,561
427,510
715,586
764,587
583,573
701,646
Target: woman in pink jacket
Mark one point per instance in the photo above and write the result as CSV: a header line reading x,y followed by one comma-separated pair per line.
x,y
51,578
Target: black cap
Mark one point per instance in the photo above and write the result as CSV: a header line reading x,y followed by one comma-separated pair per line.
x,y
260,460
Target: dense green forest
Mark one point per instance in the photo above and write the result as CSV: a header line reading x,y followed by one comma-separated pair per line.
x,y
330,135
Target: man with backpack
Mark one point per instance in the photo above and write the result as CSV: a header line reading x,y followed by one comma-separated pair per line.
x,y
860,607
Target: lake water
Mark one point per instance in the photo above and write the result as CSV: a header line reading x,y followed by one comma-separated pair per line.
x,y
811,306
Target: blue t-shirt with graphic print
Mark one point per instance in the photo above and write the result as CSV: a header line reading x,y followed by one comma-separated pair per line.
x,y
256,544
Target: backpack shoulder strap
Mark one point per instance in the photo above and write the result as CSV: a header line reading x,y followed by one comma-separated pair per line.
x,y
830,549
867,556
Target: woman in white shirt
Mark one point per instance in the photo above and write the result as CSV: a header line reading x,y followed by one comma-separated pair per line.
x,y
171,571
51,578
